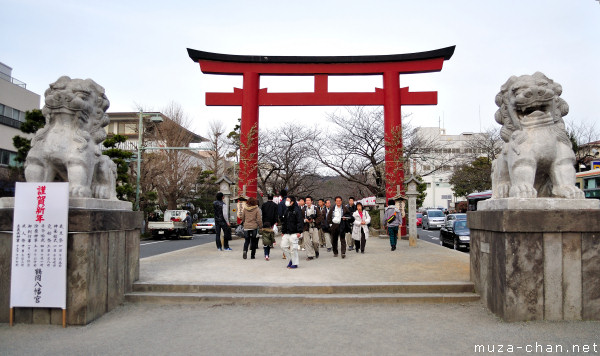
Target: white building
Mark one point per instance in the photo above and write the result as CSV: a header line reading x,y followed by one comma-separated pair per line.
x,y
436,161
15,100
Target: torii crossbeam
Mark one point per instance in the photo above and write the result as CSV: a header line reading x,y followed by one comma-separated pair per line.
x,y
391,96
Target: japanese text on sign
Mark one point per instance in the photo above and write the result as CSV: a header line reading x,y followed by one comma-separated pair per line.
x,y
38,273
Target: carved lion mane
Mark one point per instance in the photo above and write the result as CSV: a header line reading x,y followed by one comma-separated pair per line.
x,y
67,147
537,158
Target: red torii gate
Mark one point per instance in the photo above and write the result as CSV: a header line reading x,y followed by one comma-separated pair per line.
x,y
251,97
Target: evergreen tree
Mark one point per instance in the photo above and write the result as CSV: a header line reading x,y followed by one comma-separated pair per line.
x,y
34,120
422,189
472,177
125,190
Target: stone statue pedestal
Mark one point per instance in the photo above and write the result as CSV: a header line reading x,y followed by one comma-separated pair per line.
x,y
530,263
102,261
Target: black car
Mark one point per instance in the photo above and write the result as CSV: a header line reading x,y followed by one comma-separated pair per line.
x,y
456,235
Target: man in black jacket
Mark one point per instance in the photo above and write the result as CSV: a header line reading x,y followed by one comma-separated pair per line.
x,y
337,220
269,218
292,226
221,222
349,221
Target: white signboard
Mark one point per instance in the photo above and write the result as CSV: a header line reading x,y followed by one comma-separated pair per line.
x,y
368,201
39,247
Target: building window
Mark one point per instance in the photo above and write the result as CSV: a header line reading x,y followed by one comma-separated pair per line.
x,y
7,158
11,117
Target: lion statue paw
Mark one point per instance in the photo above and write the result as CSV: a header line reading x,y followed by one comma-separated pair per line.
x,y
568,191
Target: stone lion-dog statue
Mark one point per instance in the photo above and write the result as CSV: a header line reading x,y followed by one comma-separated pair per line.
x,y
537,158
68,148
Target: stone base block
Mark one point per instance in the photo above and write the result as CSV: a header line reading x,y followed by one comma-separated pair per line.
x,y
537,264
80,203
102,264
538,204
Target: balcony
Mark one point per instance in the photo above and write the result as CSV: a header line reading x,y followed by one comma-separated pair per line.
x,y
15,81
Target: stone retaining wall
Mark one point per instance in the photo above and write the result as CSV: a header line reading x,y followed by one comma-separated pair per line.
x,y
103,251
537,265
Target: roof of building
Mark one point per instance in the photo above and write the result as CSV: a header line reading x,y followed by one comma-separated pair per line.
x,y
134,116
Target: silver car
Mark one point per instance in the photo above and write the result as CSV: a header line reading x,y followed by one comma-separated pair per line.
x,y
433,219
452,217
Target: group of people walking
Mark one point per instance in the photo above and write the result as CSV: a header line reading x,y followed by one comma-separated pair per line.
x,y
304,226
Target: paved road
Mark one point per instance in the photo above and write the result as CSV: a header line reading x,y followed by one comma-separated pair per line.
x,y
432,236
156,247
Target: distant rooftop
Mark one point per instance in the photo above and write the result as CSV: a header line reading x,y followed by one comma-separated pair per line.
x,y
6,74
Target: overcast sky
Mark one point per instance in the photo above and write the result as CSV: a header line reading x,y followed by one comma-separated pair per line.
x,y
137,50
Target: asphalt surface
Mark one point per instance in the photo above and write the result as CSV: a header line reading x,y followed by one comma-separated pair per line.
x,y
296,329
433,236
156,247
150,248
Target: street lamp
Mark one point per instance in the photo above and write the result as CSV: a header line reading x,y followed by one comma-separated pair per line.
x,y
155,118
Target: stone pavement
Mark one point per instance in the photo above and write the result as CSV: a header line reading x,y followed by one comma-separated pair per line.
x,y
296,329
205,264
217,328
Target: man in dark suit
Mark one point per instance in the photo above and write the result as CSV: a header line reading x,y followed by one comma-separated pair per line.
x,y
337,225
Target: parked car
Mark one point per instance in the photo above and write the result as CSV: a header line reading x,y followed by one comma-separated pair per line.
x,y
172,225
456,235
452,217
433,218
419,219
205,225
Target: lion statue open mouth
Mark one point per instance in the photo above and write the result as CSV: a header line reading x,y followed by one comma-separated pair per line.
x,y
67,148
537,158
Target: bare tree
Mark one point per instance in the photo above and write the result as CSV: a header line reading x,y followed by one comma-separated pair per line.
x,y
355,150
169,172
486,144
584,139
285,160
218,148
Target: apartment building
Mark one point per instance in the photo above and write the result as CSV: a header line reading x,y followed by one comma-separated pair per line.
x,y
437,159
15,100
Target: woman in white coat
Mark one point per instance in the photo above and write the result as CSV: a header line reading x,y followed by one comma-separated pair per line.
x,y
360,229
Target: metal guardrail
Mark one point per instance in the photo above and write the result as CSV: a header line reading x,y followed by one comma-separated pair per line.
x,y
15,81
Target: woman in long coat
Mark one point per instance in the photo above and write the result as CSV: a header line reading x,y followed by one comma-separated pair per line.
x,y
360,228
252,221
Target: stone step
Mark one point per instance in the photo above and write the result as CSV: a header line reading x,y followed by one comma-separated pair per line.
x,y
188,298
356,289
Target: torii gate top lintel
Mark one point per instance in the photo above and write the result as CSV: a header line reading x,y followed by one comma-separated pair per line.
x,y
419,62
250,97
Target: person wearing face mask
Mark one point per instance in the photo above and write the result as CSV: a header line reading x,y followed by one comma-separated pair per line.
x,y
292,226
